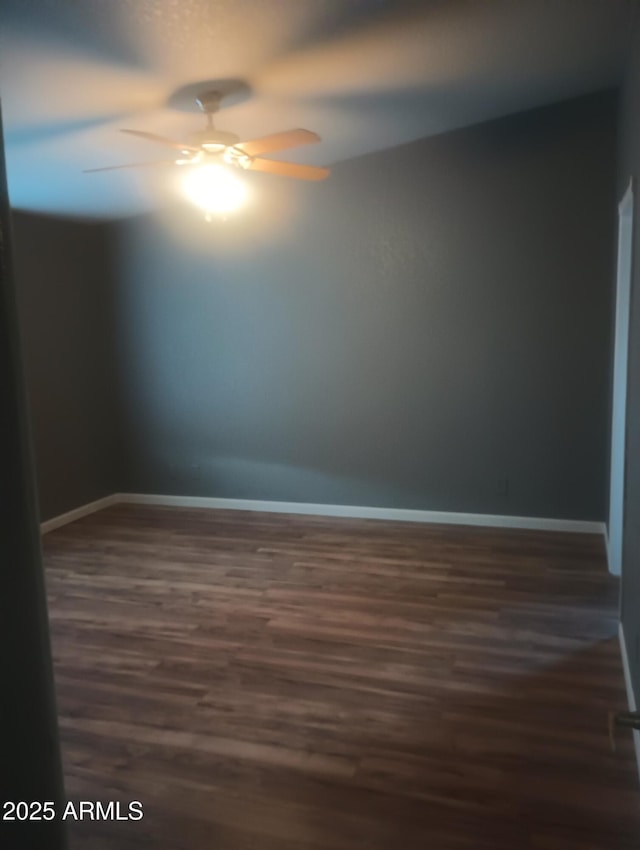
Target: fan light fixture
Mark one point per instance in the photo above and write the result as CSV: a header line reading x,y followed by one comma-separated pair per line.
x,y
210,156
214,190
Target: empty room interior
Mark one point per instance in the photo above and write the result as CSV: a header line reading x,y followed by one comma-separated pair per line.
x,y
320,334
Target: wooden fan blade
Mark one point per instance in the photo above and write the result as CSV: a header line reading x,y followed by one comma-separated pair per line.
x,y
131,165
289,169
278,142
153,137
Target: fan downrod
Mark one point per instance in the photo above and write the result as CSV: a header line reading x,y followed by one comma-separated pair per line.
x,y
209,103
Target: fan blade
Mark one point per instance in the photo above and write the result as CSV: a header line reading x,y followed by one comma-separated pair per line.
x,y
289,169
278,142
131,165
153,137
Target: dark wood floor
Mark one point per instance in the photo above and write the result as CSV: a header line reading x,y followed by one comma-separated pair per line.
x,y
265,682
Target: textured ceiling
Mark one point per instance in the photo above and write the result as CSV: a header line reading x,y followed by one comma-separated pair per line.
x,y
364,74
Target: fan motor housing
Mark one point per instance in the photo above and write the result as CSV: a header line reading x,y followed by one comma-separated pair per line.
x,y
214,138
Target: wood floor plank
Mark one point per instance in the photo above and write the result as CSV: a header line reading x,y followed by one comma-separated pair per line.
x,y
269,681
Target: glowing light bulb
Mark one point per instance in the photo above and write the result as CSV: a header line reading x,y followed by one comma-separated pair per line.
x,y
213,189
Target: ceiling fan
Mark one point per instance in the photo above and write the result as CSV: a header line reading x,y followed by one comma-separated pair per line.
x,y
211,147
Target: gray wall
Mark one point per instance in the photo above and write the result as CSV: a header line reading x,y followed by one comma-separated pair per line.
x,y
630,165
64,278
430,328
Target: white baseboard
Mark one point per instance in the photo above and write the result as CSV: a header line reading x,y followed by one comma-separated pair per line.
x,y
78,513
349,511
631,699
358,512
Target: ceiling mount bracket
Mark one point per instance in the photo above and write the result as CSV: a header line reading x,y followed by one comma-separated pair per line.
x,y
209,101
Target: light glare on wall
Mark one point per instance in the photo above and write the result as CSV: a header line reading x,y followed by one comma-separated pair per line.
x,y
214,190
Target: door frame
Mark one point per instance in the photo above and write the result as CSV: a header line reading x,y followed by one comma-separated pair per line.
x,y
30,763
615,520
